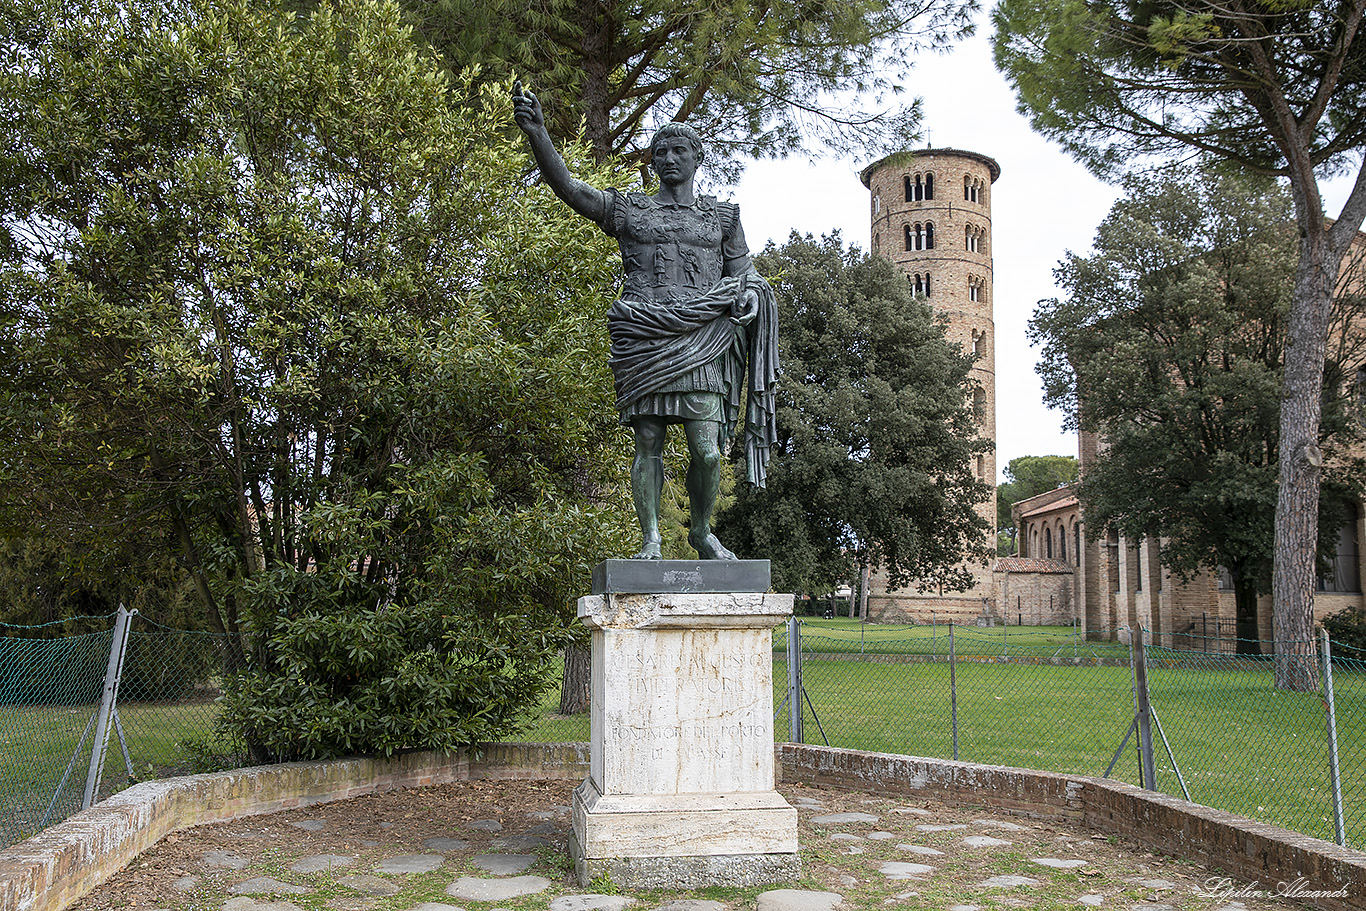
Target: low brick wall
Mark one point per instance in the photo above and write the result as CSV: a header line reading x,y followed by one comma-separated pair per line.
x,y
55,868
1260,854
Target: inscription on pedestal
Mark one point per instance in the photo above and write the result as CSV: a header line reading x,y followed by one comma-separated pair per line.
x,y
682,763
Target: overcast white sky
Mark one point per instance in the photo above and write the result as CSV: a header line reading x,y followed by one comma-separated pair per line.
x,y
968,105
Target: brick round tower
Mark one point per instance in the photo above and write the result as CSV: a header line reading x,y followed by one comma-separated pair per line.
x,y
931,215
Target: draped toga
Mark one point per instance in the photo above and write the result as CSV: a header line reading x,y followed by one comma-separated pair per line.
x,y
675,353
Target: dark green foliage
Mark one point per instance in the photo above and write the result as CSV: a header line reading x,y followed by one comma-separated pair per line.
x,y
875,433
1115,81
272,303
1170,344
755,80
1347,629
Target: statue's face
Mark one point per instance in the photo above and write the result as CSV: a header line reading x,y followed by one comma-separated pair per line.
x,y
675,160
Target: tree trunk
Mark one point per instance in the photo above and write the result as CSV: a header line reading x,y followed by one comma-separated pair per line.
x,y
1300,467
574,683
1247,640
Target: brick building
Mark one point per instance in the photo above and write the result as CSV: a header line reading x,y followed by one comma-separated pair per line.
x,y
1119,582
931,215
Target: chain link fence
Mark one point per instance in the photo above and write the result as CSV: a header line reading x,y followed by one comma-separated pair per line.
x,y
83,716
1213,727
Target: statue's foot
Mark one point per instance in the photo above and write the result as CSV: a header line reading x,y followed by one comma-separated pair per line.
x,y
708,548
648,551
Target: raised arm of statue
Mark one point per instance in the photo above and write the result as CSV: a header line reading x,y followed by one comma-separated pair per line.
x,y
588,201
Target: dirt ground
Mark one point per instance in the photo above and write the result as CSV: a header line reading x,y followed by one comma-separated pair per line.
x,y
851,858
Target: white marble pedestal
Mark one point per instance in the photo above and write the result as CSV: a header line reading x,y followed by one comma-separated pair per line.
x,y
681,786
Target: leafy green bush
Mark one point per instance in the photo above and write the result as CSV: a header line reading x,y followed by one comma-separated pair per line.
x,y
1347,629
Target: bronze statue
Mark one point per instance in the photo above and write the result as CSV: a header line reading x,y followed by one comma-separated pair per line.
x,y
695,332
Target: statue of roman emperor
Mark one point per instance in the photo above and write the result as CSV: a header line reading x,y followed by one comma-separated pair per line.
x,y
694,335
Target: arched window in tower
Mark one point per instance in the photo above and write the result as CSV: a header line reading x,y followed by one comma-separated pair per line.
x,y
877,204
981,467
967,189
910,190
919,189
876,246
917,237
918,285
929,235
910,237
977,343
979,401
929,186
974,288
927,284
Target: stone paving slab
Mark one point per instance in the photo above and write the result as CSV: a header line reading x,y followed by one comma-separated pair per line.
x,y
503,864
865,869
477,889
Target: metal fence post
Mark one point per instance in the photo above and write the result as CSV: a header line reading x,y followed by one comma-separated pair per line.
x,y
794,680
1142,708
953,689
118,645
1329,704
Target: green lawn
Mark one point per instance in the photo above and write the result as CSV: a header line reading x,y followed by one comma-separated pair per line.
x,y
1240,745
37,743
851,637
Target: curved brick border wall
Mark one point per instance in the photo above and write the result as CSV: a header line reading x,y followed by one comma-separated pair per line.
x,y
1240,847
54,869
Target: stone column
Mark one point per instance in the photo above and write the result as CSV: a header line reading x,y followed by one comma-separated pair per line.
x,y
681,785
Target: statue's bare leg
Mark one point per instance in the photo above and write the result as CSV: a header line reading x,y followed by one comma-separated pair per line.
x,y
647,482
704,483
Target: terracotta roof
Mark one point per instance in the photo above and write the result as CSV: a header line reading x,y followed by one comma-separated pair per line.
x,y
1029,565
1064,503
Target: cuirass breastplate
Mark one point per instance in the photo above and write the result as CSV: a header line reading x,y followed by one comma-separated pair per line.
x,y
670,253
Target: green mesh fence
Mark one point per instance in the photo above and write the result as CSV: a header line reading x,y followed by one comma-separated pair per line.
x,y
1043,698
50,691
1241,744
1349,701
49,694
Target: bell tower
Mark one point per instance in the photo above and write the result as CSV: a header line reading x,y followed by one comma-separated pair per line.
x,y
931,215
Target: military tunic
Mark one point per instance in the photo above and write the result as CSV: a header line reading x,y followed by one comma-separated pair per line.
x,y
672,255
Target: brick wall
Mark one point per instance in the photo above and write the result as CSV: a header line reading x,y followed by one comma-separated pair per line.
x,y
59,865
1248,850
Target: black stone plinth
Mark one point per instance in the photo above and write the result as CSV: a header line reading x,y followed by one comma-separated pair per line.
x,y
638,577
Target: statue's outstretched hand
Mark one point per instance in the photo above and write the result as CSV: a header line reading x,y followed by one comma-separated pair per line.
x,y
526,109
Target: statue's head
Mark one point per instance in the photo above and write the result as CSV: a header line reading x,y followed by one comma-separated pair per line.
x,y
679,130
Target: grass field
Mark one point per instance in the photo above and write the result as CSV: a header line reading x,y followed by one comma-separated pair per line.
x,y
1240,745
1035,697
39,743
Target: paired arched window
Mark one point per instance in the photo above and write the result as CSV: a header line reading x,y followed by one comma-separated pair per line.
x,y
974,239
973,189
918,186
920,284
919,236
976,288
